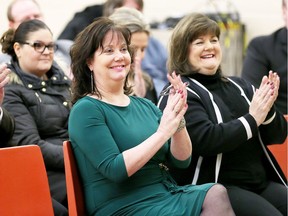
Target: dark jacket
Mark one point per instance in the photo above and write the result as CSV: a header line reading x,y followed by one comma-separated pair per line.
x,y
7,127
266,53
233,133
41,110
80,21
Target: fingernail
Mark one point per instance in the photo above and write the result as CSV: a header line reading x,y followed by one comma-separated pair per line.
x,y
186,83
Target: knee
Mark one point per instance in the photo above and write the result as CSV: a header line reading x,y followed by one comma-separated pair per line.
x,y
217,202
218,191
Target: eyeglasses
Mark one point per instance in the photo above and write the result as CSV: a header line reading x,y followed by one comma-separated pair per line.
x,y
40,46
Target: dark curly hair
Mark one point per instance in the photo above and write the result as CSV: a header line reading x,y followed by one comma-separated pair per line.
x,y
83,49
21,34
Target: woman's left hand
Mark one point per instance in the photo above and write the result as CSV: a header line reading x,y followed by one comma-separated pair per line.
x,y
178,86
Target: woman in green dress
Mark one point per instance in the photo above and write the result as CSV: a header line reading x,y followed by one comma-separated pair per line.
x,y
122,142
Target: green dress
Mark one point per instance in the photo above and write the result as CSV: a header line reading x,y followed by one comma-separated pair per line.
x,y
99,133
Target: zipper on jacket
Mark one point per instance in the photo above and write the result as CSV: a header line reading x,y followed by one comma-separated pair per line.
x,y
37,95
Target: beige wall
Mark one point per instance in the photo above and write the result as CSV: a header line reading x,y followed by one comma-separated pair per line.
x,y
259,16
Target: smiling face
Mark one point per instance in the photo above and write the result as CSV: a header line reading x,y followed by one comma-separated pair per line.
x,y
32,61
112,63
205,54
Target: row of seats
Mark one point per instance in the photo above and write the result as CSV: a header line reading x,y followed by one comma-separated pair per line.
x,y
24,184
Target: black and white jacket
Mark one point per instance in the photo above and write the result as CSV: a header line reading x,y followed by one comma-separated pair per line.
x,y
228,147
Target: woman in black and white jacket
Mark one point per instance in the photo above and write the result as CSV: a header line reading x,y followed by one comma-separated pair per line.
x,y
229,122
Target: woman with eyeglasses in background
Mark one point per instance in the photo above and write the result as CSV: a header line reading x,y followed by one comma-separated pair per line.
x,y
38,95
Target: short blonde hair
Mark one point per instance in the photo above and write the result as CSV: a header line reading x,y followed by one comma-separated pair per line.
x,y
133,19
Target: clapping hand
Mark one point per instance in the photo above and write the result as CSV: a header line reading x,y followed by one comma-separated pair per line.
x,y
264,97
176,105
4,79
139,82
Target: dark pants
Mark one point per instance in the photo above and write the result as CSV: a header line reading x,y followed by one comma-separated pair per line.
x,y
57,183
271,201
59,209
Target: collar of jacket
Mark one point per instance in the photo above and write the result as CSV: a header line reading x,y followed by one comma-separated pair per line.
x,y
33,82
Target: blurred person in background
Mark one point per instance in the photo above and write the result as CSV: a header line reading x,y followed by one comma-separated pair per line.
x,y
22,10
142,83
38,96
154,62
269,52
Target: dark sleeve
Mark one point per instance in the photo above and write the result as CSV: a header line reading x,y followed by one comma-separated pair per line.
x,y
255,64
71,30
274,131
81,20
208,137
7,127
26,131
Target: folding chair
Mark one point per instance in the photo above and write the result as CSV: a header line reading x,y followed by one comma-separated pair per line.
x,y
75,196
24,187
280,152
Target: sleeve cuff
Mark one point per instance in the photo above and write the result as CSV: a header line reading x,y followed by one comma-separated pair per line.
x,y
268,121
249,124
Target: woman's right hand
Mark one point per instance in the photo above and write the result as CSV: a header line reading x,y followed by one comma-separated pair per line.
x,y
176,106
264,97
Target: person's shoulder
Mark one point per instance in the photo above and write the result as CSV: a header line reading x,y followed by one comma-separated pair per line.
x,y
64,45
243,83
142,101
154,42
14,78
84,101
263,39
90,11
84,105
4,58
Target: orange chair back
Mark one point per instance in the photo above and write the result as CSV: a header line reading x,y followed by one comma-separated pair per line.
x,y
75,195
24,187
280,152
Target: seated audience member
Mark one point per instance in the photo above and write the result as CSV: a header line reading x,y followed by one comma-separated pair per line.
x,y
229,123
22,10
266,53
6,120
38,96
154,62
84,18
121,142
142,83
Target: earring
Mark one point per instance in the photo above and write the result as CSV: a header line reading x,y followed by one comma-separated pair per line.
x,y
92,82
